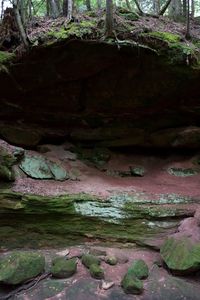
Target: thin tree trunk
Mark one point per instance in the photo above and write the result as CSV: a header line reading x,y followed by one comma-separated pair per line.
x,y
187,35
128,5
192,8
65,8
138,7
20,26
156,6
88,5
98,4
48,7
164,8
109,18
2,8
69,10
54,9
185,9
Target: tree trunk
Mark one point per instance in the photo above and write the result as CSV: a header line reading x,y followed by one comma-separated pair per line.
x,y
20,26
164,8
175,9
88,5
138,7
109,18
53,9
185,9
2,8
128,5
192,8
187,35
98,4
69,10
156,6
48,7
65,8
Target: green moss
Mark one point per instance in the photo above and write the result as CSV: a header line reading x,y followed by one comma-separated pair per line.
x,y
166,36
96,271
181,256
78,30
62,268
5,57
18,267
88,260
139,269
131,284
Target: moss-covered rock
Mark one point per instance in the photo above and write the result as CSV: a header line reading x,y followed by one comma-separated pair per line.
x,y
18,267
131,284
180,255
139,268
76,30
96,271
62,268
183,172
111,260
88,260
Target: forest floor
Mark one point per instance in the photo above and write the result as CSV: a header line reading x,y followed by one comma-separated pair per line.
x,y
127,26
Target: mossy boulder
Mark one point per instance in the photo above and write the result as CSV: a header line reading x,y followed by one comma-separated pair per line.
x,y
62,268
96,271
139,269
111,260
131,284
88,260
181,255
17,267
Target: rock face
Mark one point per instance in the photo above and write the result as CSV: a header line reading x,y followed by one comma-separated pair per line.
x,y
18,267
181,255
80,80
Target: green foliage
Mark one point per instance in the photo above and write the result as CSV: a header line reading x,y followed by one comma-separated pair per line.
x,y
166,36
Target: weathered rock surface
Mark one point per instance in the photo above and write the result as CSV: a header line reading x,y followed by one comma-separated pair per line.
x,y
39,167
18,267
181,255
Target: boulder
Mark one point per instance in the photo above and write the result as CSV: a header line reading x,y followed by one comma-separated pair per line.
x,y
139,268
181,255
62,268
96,271
19,266
131,284
88,260
39,167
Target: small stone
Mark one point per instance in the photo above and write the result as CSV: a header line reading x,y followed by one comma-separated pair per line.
x,y
62,268
139,268
96,271
131,284
137,171
106,285
63,253
88,260
111,260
